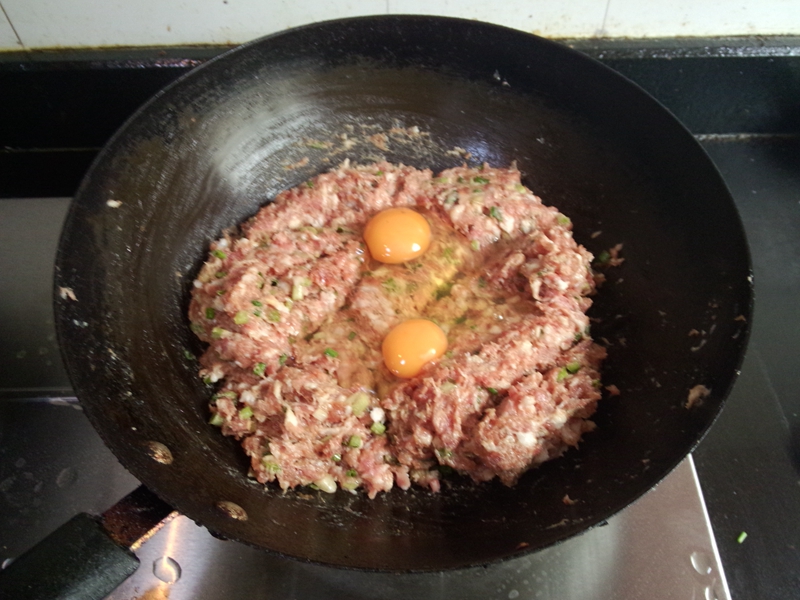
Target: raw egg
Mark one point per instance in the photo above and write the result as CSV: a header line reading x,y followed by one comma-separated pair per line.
x,y
411,345
397,235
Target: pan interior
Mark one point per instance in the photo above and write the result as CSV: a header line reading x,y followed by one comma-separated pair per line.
x,y
210,150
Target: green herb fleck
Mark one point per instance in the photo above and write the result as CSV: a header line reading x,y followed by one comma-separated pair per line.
x,y
461,180
351,336
310,184
282,360
229,394
197,328
241,317
562,375
216,420
495,213
411,287
378,428
492,391
475,245
220,292
448,253
480,180
390,285
578,336
256,313
207,380
220,254
354,441
378,173
220,274
336,457
742,537
210,313
273,316
270,465
603,258
563,219
189,355
245,413
351,473
596,384
481,282
259,369
449,354
444,453
573,367
443,290
331,352
218,332
257,303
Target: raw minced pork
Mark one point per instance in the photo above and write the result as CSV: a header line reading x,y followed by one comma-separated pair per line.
x,y
294,311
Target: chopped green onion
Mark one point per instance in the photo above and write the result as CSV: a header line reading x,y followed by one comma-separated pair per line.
x,y
495,213
228,394
475,245
282,360
461,180
461,319
336,457
220,274
390,285
207,380
257,303
573,367
331,352
218,333
378,428
492,391
354,441
443,290
245,413
480,180
273,316
742,537
259,369
481,282
578,336
256,313
310,184
562,375
351,473
210,313
603,257
241,317
349,485
197,328
359,403
351,336
520,188
216,420
378,173
220,254
189,355
444,453
563,219
270,465
220,292
596,384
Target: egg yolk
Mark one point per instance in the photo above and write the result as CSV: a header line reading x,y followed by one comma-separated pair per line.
x,y
411,345
397,235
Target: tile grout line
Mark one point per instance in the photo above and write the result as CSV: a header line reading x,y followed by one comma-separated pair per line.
x,y
14,29
605,17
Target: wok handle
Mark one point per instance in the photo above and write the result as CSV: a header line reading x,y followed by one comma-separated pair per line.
x,y
78,561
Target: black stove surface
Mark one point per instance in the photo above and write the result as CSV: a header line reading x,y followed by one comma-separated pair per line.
x,y
743,102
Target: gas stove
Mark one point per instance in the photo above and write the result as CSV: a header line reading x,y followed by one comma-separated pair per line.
x,y
721,512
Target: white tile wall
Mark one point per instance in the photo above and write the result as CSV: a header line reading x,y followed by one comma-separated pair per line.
x,y
8,39
76,23
550,18
640,18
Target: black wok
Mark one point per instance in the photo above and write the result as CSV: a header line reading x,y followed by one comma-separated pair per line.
x,y
209,150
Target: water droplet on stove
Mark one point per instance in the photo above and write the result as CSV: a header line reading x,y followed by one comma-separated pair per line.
x,y
66,477
513,594
6,562
167,569
701,563
710,593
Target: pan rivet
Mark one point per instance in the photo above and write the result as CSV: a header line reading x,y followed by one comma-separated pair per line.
x,y
232,510
159,452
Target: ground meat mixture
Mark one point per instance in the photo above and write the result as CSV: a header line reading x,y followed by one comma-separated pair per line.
x,y
294,311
